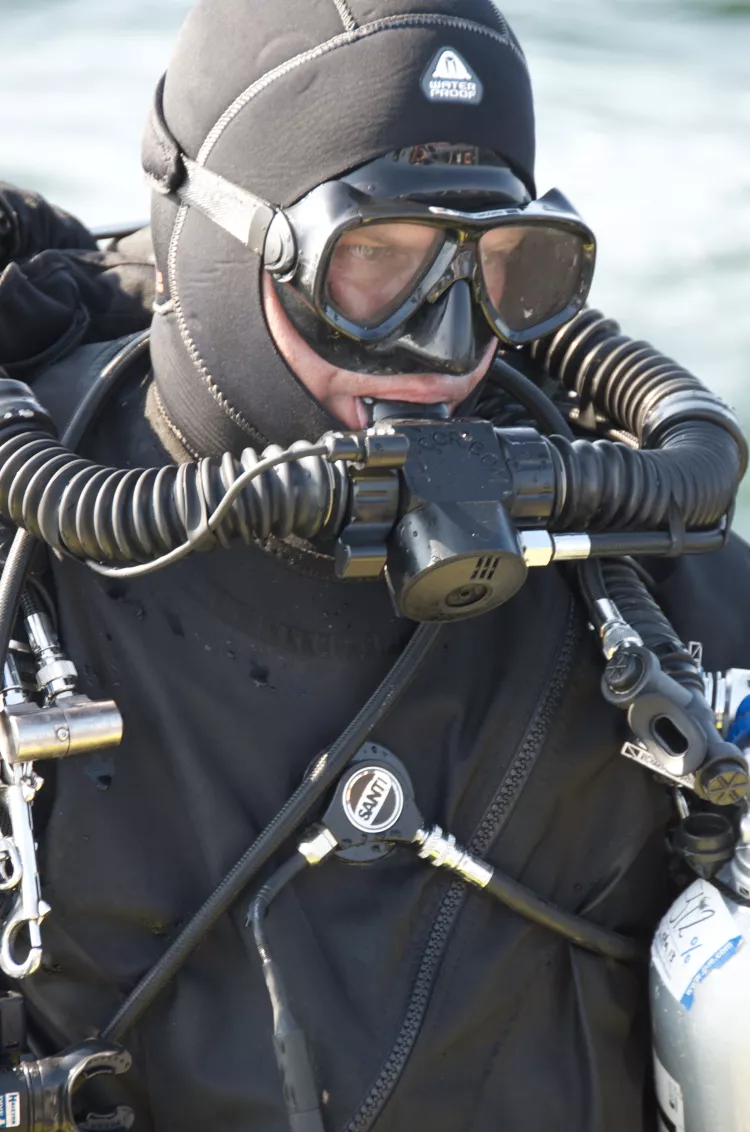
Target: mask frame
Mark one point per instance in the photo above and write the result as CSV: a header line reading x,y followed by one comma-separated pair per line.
x,y
320,218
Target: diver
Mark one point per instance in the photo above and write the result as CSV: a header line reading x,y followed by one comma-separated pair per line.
x,y
308,164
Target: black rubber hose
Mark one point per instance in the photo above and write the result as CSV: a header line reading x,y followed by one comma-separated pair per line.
x,y
702,453
529,396
626,380
583,933
609,486
619,582
20,555
260,904
292,1052
134,515
289,818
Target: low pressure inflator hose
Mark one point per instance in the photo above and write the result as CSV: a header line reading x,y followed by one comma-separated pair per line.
x,y
372,812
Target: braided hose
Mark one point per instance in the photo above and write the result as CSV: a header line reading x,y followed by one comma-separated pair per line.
x,y
134,515
695,453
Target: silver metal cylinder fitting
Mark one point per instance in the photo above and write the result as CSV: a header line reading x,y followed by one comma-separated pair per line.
x,y
317,844
13,690
537,547
569,548
56,675
74,725
615,632
441,849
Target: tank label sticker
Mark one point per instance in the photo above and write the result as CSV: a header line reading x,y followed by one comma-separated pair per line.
x,y
10,1110
669,1096
696,936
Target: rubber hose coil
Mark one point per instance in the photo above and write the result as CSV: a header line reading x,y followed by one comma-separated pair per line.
x,y
702,453
135,515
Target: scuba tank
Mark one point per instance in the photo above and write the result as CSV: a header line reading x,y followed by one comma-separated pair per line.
x,y
700,958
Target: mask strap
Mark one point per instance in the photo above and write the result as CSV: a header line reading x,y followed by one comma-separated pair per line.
x,y
248,218
238,212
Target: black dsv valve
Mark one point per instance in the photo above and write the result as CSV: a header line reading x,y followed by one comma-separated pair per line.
x,y
37,1096
443,525
675,724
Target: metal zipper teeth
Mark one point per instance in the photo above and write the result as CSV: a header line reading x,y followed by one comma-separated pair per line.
x,y
488,829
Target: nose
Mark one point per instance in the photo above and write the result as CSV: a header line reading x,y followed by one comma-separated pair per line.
x,y
442,335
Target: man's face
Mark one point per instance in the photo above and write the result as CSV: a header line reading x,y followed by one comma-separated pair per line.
x,y
340,391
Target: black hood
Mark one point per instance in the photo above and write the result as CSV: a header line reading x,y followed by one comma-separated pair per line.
x,y
277,98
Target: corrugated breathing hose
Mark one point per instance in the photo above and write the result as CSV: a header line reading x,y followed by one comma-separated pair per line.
x,y
686,474
693,453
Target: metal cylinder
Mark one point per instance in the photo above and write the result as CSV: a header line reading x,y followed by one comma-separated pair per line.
x,y
700,1007
72,726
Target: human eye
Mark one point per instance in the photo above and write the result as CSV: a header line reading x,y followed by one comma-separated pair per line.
x,y
370,253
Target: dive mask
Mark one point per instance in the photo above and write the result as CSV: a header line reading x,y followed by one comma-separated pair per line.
x,y
414,261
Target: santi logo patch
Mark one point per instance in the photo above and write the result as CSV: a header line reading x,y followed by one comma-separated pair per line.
x,y
450,79
373,799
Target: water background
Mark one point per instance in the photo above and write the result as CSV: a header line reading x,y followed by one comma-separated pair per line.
x,y
644,121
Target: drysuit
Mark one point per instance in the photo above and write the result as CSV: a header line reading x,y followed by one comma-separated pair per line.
x,y
425,1004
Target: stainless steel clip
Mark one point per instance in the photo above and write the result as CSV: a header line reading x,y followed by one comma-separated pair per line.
x,y
20,873
65,724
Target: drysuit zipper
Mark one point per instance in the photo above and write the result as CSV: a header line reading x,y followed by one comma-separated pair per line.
x,y
487,831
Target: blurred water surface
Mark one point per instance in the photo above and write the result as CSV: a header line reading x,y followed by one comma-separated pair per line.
x,y
644,121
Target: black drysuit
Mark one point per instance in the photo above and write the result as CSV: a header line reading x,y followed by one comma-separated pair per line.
x,y
426,1005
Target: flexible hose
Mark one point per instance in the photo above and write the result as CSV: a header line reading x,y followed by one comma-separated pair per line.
x,y
12,582
609,486
702,454
134,515
18,562
580,931
299,1088
206,525
260,904
624,379
523,396
618,581
289,818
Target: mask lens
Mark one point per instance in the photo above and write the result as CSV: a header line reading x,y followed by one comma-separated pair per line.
x,y
531,272
375,267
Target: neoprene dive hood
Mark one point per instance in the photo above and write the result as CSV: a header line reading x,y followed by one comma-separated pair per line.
x,y
277,99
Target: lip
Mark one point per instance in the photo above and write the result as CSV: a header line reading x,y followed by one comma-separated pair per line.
x,y
423,390
350,388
